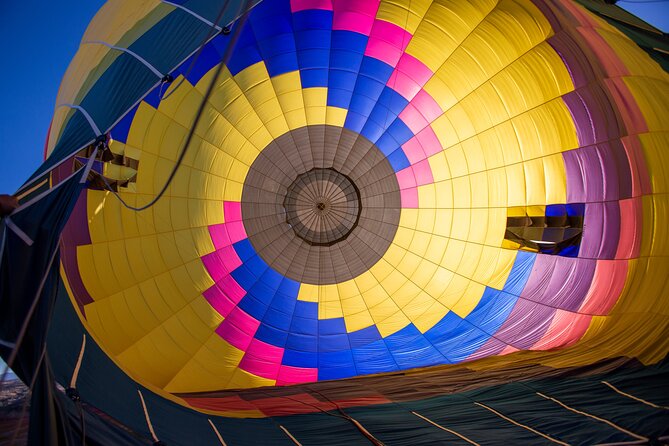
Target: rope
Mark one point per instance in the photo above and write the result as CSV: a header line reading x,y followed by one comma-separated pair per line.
x,y
198,115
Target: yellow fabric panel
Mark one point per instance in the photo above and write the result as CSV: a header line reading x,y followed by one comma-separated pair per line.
x,y
535,183
497,188
445,131
393,323
288,88
242,379
358,321
407,14
461,18
515,179
655,240
430,316
556,179
308,292
163,351
335,116
315,105
657,159
210,368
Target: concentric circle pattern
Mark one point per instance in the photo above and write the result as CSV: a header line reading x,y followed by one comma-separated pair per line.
x,y
376,186
322,206
329,166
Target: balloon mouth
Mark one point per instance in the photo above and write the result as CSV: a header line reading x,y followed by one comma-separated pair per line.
x,y
322,206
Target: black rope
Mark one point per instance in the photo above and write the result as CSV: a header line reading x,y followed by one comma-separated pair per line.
x,y
198,115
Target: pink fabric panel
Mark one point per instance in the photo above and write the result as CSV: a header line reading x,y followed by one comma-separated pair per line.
x,y
413,118
508,350
427,105
640,178
224,295
406,179
219,235
414,150
607,285
631,222
429,141
262,359
232,211
238,329
423,173
301,5
409,198
266,351
387,42
566,329
354,15
293,375
230,259
409,76
214,265
236,231
259,366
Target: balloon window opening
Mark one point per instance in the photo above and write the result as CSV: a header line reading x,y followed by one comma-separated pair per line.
x,y
322,206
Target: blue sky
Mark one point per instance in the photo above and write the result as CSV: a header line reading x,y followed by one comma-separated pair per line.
x,y
40,38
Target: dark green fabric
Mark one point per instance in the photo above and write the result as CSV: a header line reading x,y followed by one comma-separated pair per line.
x,y
22,271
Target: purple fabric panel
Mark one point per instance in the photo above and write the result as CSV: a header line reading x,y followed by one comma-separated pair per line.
x,y
593,229
585,129
571,53
601,230
617,156
593,115
575,177
76,234
526,324
563,282
492,347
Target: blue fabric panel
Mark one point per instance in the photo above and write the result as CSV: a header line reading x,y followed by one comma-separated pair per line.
x,y
364,336
207,59
298,358
254,306
333,343
156,94
398,160
246,52
570,251
271,278
411,349
304,326
331,326
520,272
271,335
279,57
277,318
374,358
302,342
312,19
556,210
244,249
335,365
355,121
400,132
314,78
121,129
575,209
244,277
307,310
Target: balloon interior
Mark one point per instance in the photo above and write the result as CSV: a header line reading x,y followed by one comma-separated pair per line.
x,y
349,222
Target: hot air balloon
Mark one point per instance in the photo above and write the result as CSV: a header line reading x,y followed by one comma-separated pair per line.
x,y
401,222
